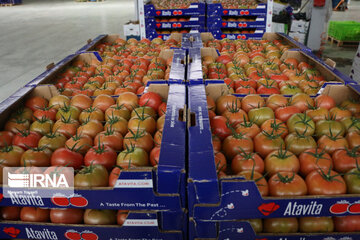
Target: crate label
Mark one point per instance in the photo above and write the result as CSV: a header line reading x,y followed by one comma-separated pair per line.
x,y
133,183
141,222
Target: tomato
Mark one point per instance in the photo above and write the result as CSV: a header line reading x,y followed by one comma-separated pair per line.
x,y
67,158
329,127
317,114
259,180
26,139
160,122
67,215
6,138
287,184
302,101
325,101
155,156
248,128
150,99
281,160
281,225
101,155
80,141
256,224
353,139
48,112
301,124
284,113
227,103
352,179
351,124
252,101
32,214
325,183
265,143
339,113
92,176
22,113
345,159
297,143
103,102
91,128
220,127
59,101
117,111
11,155
275,126
332,142
109,138
39,157
235,116
10,213
67,127
100,217
91,113
133,155
121,217
138,138
52,140
42,126
35,103
260,115
347,223
315,158
81,101
142,111
352,105
142,122
128,99
275,101
237,143
16,124
316,224
246,162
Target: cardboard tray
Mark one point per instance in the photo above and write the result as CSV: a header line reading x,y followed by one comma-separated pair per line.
x,y
165,185
212,199
138,225
195,9
110,38
216,9
53,70
327,69
243,230
198,21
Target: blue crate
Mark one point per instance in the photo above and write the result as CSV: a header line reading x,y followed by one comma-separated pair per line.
x,y
195,9
151,33
197,22
216,9
218,34
217,22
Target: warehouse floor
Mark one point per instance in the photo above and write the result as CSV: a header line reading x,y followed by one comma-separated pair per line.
x,y
39,32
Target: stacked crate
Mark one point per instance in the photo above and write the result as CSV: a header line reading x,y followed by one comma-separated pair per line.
x,y
160,23
234,21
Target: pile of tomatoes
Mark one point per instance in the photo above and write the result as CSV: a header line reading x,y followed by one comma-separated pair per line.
x,y
127,67
290,147
97,137
307,224
170,4
237,4
64,216
254,66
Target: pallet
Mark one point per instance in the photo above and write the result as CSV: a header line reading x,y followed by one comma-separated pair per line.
x,y
343,43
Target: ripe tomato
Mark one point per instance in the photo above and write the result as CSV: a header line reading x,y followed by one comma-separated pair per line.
x,y
227,103
325,101
317,114
155,156
220,127
140,139
103,102
275,101
48,112
67,157
121,217
35,103
142,122
281,225
32,214
79,140
16,124
128,99
133,156
10,156
92,176
237,143
247,162
91,128
109,138
59,101
38,157
353,138
67,215
331,143
52,140
345,159
352,105
26,139
347,223
286,184
100,217
81,101
101,155
325,183
150,99
265,143
281,161
315,158
284,113
6,138
252,101
248,128
276,126
10,213
316,224
302,101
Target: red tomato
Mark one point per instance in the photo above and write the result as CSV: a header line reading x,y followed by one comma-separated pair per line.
x,y
345,159
6,138
150,99
313,159
26,139
284,113
102,155
219,126
325,183
347,223
32,214
67,215
35,103
155,156
286,184
67,158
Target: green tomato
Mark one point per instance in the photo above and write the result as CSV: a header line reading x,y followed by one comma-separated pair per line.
x,y
133,156
329,127
290,90
260,115
100,217
301,123
92,176
352,179
297,144
68,112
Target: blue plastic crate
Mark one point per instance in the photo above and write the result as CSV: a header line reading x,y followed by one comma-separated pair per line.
x,y
195,9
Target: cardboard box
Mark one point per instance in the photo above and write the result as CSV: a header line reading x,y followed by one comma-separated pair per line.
x,y
216,9
214,22
165,184
232,198
138,225
219,34
195,9
132,30
300,26
194,22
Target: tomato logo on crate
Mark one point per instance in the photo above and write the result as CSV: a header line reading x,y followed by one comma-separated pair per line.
x,y
225,12
339,207
11,231
158,25
268,208
63,201
85,235
158,13
354,208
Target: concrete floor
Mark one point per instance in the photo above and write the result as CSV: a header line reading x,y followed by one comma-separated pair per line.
x,y
39,32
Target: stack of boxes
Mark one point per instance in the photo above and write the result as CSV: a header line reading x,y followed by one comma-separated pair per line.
x,y
161,23
299,30
355,71
247,23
